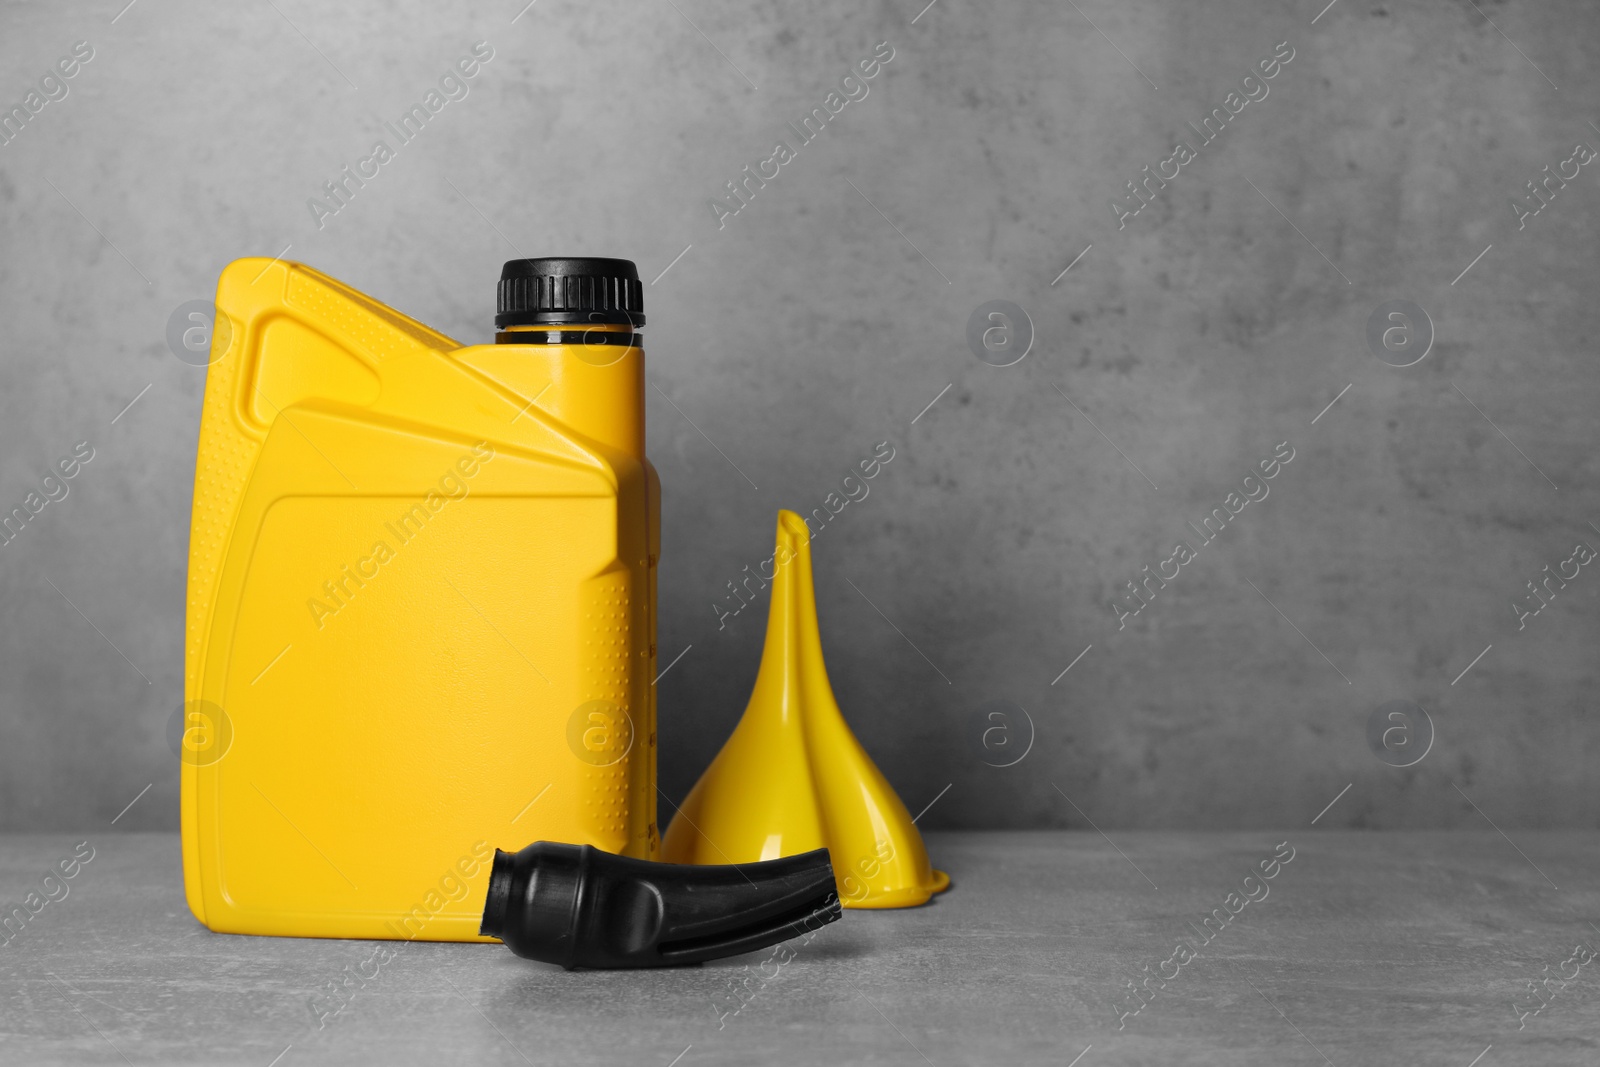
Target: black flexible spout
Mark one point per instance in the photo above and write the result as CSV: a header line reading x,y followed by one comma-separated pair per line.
x,y
580,907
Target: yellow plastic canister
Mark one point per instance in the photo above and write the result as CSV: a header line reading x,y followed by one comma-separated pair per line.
x,y
421,605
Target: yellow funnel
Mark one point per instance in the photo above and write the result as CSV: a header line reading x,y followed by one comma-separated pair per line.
x,y
793,777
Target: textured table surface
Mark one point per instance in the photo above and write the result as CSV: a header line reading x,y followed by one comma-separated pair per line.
x,y
1369,948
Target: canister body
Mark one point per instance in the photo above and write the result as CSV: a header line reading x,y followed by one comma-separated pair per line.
x,y
421,614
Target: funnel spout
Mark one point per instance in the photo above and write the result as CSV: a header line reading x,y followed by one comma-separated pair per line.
x,y
793,777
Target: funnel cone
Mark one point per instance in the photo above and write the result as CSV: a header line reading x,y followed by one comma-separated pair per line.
x,y
793,777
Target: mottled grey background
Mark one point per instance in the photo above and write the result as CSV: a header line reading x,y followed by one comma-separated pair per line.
x,y
1221,321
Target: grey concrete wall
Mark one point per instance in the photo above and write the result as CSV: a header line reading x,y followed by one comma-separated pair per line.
x,y
1176,353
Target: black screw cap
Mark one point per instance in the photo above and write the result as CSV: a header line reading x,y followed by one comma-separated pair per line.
x,y
561,290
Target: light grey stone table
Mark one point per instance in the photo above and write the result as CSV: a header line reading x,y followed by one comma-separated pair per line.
x,y
1368,948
